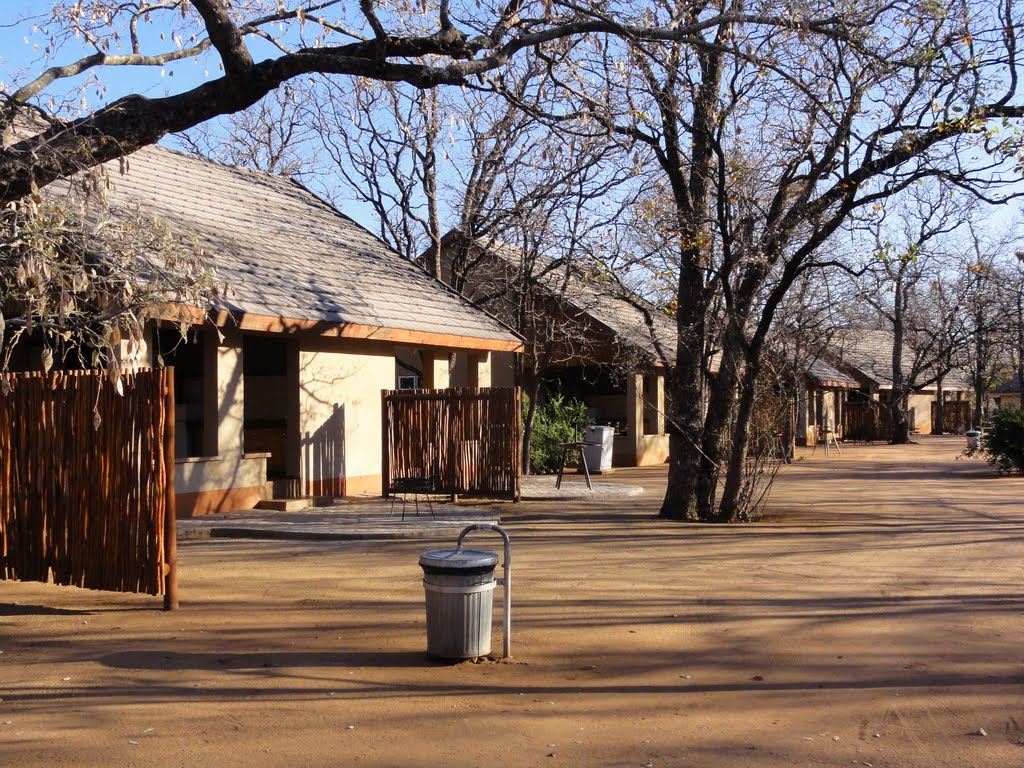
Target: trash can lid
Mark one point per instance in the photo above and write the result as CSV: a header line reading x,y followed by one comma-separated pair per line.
x,y
453,559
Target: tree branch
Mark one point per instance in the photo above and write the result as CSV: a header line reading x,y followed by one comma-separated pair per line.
x,y
225,36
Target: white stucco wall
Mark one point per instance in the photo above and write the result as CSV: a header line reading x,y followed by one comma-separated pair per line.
x,y
197,475
340,408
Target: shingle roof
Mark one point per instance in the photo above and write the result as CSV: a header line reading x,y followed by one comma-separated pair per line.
x,y
828,376
869,352
601,298
1009,388
285,253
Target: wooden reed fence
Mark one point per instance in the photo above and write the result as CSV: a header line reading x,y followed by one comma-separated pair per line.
x,y
87,481
461,442
956,417
866,420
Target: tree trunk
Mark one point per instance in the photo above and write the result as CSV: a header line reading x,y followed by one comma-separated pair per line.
x,y
979,400
1020,341
531,388
900,425
898,394
686,385
731,508
718,423
788,447
938,427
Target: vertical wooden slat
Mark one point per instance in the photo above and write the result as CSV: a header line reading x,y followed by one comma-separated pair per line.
x,y
169,511
82,505
467,440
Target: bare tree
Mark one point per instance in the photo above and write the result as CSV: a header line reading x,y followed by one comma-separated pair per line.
x,y
273,135
410,43
913,241
806,326
551,276
1014,287
987,309
382,142
759,190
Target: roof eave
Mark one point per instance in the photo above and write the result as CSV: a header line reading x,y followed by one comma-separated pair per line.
x,y
248,321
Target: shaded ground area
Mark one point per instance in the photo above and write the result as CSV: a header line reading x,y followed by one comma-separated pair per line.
x,y
410,517
873,619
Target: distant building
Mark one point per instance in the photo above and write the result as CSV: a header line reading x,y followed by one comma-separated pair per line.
x,y
613,356
866,356
1007,394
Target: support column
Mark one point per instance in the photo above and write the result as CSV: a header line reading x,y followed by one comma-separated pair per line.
x,y
211,393
230,395
435,370
635,411
479,369
293,367
659,402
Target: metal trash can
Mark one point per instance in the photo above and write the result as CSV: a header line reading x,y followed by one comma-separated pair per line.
x,y
600,441
973,437
459,587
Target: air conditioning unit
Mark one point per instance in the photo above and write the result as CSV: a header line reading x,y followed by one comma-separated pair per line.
x,y
409,382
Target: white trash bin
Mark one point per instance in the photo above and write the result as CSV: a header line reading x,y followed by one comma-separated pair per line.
x,y
600,441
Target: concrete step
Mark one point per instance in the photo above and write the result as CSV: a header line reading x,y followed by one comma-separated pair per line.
x,y
286,505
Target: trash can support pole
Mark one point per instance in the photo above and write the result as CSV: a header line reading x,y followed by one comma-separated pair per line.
x,y
505,581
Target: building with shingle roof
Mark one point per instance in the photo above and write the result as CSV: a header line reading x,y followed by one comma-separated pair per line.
x,y
278,384
819,406
586,336
866,355
1007,394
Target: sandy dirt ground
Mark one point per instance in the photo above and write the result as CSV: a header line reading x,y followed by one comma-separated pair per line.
x,y
874,619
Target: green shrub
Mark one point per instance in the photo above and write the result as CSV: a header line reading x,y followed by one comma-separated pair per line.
x,y
559,420
1003,443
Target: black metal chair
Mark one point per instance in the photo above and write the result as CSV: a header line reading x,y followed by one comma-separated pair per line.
x,y
417,486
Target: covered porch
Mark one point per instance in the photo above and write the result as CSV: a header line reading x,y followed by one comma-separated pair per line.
x,y
633,403
262,417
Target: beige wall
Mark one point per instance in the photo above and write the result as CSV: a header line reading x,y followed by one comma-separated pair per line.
x,y
503,369
225,479
340,414
644,451
470,369
1009,399
921,405
636,449
808,419
197,475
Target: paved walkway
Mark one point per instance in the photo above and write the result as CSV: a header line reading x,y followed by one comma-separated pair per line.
x,y
574,486
339,522
371,518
